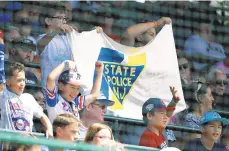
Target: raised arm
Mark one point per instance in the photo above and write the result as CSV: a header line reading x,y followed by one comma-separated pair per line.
x,y
51,80
2,72
173,103
95,92
133,31
44,41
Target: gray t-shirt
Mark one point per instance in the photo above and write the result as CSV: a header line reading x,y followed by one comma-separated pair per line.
x,y
196,145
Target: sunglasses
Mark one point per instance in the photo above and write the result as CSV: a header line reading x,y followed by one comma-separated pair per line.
x,y
99,105
220,82
184,66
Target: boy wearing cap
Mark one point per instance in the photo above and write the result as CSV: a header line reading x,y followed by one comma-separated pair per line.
x,y
211,129
66,98
156,115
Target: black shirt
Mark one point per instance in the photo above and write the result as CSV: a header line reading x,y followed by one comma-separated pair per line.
x,y
196,145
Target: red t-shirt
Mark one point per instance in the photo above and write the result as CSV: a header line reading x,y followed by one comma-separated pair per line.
x,y
150,139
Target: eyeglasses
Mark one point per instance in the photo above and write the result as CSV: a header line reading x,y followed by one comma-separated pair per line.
x,y
100,106
220,82
184,66
60,17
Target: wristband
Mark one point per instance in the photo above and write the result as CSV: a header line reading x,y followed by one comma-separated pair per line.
x,y
66,65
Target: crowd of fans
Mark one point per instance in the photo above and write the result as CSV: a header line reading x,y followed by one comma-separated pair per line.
x,y
34,33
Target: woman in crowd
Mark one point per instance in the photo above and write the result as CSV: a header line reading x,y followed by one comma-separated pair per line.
x,y
200,103
101,135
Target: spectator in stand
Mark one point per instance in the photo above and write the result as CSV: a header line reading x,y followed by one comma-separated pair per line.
x,y
202,46
66,127
141,34
10,33
211,129
65,98
224,65
20,50
156,116
93,113
18,108
54,46
22,21
200,103
185,69
101,135
218,82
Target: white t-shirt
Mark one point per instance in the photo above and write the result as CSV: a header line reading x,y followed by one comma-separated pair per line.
x,y
56,105
17,111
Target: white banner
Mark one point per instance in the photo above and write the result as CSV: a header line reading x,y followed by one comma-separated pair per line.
x,y
131,75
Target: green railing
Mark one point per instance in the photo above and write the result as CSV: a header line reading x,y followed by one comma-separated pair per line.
x,y
7,136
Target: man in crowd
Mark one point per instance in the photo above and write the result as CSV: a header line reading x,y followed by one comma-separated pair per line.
x,y
93,113
21,50
141,34
218,82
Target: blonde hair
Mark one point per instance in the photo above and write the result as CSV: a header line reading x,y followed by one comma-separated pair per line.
x,y
63,120
93,130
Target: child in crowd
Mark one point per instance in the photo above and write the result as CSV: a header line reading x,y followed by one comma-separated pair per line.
x,y
66,98
18,108
211,128
156,115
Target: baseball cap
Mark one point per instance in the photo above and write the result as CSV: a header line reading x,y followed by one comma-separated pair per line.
x,y
213,116
71,77
103,100
25,44
151,104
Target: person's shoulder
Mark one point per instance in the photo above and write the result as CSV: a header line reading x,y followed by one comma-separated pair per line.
x,y
26,97
219,147
190,116
148,133
194,37
193,143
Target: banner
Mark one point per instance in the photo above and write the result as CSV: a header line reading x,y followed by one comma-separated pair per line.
x,y
131,75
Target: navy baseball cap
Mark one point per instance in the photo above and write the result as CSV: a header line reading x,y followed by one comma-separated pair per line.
x,y
213,116
71,77
151,104
25,44
104,101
